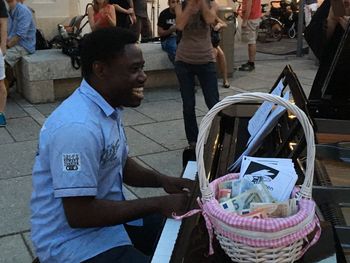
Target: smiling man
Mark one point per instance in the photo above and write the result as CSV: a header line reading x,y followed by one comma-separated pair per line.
x,y
79,213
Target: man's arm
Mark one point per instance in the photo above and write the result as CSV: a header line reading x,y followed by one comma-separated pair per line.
x,y
24,20
133,15
3,34
139,176
84,212
13,41
163,33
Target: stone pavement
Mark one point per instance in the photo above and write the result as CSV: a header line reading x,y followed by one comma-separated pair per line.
x,y
155,134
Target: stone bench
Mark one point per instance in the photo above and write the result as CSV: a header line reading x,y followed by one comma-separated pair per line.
x,y
48,75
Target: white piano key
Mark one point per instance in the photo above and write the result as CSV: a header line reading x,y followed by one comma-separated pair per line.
x,y
171,228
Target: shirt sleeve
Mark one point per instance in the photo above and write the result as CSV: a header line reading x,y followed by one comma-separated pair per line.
x,y
24,21
161,20
3,10
75,154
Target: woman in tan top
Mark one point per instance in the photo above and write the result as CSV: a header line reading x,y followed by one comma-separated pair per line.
x,y
195,57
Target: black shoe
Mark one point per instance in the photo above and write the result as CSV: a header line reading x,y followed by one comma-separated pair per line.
x,y
247,67
226,85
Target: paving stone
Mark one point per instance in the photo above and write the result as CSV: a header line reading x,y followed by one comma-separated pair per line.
x,y
168,163
170,134
29,243
162,94
5,137
133,117
128,194
250,84
47,108
13,110
171,110
17,159
14,205
139,144
13,250
23,129
35,114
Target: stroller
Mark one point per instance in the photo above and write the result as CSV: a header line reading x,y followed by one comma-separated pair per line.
x,y
69,38
72,30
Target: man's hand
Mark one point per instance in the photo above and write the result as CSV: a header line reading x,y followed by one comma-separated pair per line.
x,y
174,185
174,203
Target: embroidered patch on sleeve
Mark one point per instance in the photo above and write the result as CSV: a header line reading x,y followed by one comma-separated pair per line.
x,y
71,162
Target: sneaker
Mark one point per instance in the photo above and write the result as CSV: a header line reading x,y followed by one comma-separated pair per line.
x,y
247,67
2,120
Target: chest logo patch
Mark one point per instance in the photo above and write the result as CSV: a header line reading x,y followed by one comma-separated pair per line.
x,y
110,153
71,162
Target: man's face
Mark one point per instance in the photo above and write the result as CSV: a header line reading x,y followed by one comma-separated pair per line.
x,y
126,78
172,4
11,3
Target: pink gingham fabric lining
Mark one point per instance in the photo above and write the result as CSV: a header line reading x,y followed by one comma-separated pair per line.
x,y
215,216
261,225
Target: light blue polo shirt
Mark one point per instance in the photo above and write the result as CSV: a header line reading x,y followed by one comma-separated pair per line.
x,y
82,151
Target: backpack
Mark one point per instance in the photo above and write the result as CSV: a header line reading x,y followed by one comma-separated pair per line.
x,y
71,47
41,42
69,43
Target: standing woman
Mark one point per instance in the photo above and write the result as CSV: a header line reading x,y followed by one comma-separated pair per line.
x,y
101,15
219,53
195,57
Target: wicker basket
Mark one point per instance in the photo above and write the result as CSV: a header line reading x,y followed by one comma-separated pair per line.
x,y
259,240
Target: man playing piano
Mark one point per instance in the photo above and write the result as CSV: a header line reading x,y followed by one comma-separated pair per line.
x,y
79,213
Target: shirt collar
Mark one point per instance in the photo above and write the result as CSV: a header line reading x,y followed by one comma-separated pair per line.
x,y
96,97
11,12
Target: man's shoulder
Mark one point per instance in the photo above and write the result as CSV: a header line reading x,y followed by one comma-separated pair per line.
x,y
165,11
75,109
22,8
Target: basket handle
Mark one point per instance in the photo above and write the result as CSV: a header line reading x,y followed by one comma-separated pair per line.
x,y
306,188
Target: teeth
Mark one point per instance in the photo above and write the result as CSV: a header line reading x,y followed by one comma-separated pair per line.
x,y
138,92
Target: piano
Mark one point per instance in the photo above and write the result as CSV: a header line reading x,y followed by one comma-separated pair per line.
x,y
187,240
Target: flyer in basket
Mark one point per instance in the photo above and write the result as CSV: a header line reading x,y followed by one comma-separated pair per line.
x,y
277,174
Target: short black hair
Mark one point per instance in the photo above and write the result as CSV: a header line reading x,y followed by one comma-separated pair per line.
x,y
103,45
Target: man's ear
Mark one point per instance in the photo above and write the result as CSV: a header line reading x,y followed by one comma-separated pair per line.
x,y
98,69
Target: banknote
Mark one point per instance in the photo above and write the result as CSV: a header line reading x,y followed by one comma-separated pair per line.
x,y
241,201
225,185
236,185
281,209
245,185
224,195
264,193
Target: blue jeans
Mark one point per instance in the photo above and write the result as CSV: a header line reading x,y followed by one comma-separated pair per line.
x,y
206,74
169,46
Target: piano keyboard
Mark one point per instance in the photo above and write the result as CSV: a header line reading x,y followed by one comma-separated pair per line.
x,y
171,228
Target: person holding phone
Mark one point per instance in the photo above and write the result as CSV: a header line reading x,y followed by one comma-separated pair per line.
x,y
195,57
101,14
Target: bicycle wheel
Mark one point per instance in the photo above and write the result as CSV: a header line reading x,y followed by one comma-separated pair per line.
x,y
276,31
